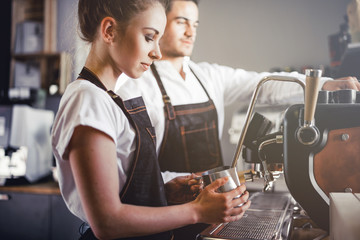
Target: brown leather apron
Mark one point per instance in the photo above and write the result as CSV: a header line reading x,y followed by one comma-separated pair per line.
x,y
191,139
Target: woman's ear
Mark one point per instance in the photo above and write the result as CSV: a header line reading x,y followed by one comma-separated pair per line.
x,y
108,28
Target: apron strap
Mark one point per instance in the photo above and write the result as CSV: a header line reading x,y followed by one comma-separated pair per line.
x,y
167,102
207,94
91,77
166,99
87,74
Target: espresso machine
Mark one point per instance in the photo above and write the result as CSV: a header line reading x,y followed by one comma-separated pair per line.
x,y
25,146
317,148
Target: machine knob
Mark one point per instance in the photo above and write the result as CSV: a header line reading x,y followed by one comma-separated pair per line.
x,y
344,96
358,97
324,97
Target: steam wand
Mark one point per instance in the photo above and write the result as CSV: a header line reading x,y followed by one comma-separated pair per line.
x,y
251,109
268,176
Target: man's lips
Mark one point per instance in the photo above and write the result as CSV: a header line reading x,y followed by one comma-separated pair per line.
x,y
187,41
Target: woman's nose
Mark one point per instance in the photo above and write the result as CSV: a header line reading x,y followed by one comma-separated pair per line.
x,y
156,53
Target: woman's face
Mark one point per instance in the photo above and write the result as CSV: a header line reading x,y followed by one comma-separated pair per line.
x,y
138,47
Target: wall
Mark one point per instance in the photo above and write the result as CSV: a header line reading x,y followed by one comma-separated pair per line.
x,y
258,35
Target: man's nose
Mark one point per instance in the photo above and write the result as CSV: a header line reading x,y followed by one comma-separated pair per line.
x,y
190,30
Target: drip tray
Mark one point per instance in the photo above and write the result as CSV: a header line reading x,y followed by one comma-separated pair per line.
x,y
269,217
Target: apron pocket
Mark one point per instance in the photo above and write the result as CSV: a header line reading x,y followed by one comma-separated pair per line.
x,y
201,146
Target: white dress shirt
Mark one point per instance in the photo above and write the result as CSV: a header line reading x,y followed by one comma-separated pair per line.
x,y
85,104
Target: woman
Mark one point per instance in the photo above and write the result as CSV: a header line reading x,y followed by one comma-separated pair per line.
x,y
105,149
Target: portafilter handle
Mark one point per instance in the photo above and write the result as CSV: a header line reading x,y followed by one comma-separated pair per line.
x,y
308,134
311,94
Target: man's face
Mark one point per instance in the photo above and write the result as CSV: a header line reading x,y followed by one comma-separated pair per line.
x,y
180,32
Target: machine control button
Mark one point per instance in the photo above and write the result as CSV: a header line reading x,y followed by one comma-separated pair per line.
x,y
345,137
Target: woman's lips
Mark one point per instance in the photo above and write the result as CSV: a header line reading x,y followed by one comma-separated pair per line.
x,y
145,66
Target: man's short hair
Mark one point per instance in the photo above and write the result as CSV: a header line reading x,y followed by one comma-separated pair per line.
x,y
170,3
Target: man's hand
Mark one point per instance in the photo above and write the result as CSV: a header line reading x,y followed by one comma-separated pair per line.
x,y
183,189
342,83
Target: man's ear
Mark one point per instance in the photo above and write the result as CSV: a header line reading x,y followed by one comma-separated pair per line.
x,y
108,28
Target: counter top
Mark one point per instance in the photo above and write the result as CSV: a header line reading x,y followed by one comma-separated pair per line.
x,y
49,187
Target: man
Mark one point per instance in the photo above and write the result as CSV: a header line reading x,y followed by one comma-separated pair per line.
x,y
193,96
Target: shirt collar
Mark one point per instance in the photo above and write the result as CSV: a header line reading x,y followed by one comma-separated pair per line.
x,y
165,64
186,67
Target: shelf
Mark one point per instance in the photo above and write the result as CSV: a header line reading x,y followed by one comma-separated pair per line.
x,y
54,69
35,63
40,55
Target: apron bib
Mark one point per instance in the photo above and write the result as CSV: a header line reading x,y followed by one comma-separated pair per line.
x,y
191,139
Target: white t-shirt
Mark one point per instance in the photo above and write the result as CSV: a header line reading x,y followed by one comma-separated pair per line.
x,y
85,104
225,85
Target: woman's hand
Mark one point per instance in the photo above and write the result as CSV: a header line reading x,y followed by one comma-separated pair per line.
x,y
215,207
183,189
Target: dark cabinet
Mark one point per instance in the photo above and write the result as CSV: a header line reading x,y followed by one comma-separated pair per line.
x,y
24,216
64,225
28,215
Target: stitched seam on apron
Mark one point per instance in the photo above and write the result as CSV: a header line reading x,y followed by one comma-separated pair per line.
x,y
216,138
182,129
217,152
153,137
165,139
134,109
198,130
199,110
137,111
135,162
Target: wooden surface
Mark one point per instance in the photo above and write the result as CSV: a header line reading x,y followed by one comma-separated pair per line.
x,y
336,166
50,187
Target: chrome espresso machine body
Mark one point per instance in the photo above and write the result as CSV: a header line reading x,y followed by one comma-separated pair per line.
x,y
25,146
318,150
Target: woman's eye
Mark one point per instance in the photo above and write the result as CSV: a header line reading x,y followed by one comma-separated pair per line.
x,y
149,38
